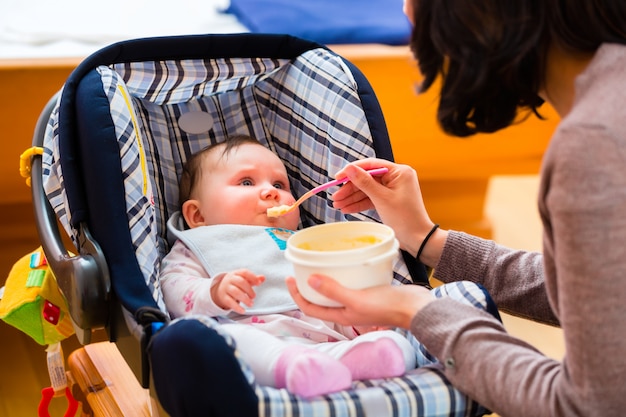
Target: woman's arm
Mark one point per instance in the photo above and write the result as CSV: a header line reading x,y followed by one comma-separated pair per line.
x,y
514,278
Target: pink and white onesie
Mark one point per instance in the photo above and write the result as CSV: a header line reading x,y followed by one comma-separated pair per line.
x,y
284,347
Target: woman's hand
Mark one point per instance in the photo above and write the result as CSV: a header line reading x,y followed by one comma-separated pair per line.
x,y
396,196
236,288
385,305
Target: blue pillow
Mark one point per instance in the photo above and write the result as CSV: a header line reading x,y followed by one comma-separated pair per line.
x,y
327,21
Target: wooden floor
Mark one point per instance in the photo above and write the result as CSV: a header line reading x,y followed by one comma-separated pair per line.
x,y
23,373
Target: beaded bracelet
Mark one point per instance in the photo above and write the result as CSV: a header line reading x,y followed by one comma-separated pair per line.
x,y
419,251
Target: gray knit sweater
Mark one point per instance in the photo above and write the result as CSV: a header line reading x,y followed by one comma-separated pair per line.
x,y
579,282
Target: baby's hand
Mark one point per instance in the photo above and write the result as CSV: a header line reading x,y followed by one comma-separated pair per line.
x,y
235,288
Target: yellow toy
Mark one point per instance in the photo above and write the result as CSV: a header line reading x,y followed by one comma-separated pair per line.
x,y
33,303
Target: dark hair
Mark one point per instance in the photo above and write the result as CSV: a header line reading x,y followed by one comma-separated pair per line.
x,y
491,54
192,167
584,25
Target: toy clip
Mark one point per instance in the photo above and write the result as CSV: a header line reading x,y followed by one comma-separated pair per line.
x,y
46,397
25,161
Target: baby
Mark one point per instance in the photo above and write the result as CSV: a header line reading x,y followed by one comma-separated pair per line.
x,y
228,262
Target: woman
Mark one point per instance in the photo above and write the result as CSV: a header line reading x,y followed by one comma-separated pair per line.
x,y
496,58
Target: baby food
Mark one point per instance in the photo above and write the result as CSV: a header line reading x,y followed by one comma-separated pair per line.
x,y
340,244
277,211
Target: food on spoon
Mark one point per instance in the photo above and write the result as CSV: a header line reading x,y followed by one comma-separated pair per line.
x,y
278,210
284,209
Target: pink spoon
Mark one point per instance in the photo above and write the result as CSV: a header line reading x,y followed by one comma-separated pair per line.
x,y
284,209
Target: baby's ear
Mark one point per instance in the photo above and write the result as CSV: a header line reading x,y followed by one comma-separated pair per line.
x,y
192,214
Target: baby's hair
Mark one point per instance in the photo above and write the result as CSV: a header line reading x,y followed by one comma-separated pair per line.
x,y
192,168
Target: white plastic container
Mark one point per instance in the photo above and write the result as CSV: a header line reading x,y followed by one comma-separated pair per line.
x,y
358,254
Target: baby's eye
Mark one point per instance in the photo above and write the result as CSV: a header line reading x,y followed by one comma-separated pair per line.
x,y
279,185
246,182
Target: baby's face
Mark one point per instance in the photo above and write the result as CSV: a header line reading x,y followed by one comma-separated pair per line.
x,y
239,187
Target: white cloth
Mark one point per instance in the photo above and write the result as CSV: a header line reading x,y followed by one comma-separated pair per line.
x,y
225,247
75,28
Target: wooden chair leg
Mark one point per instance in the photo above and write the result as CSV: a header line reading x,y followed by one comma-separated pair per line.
x,y
105,384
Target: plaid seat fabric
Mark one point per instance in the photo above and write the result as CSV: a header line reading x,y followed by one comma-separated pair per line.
x,y
308,112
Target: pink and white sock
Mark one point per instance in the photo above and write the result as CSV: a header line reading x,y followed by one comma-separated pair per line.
x,y
308,373
380,358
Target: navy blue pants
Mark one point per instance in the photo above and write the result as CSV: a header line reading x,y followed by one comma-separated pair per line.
x,y
196,374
